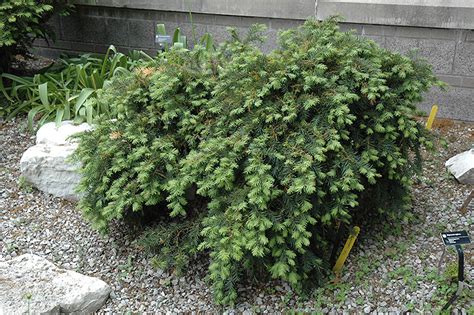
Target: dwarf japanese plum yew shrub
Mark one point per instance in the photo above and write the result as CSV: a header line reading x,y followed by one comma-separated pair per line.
x,y
258,156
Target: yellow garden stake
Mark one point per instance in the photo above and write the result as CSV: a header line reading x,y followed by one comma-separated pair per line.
x,y
346,250
337,240
431,118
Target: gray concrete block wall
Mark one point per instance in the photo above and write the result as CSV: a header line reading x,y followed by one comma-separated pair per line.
x,y
450,51
90,28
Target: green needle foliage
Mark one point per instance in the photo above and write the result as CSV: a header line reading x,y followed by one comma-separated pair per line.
x,y
262,153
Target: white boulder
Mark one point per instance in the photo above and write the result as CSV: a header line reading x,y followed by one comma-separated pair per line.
x,y
462,167
51,134
31,284
46,165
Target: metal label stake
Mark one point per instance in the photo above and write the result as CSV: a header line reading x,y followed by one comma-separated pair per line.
x,y
456,239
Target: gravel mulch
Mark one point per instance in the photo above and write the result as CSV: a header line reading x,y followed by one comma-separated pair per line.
x,y
391,269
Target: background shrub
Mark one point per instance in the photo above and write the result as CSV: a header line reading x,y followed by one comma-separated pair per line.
x,y
21,22
261,153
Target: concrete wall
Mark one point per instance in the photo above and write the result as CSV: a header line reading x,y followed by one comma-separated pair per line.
x,y
441,31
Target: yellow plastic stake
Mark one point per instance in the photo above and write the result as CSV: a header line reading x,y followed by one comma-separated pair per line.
x,y
346,250
431,118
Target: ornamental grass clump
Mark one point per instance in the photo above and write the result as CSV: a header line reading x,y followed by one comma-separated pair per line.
x,y
262,154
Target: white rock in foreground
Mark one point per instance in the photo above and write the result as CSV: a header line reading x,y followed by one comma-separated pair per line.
x,y
462,167
32,284
51,134
46,164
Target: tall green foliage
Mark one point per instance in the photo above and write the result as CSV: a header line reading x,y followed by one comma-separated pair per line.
x,y
68,92
264,153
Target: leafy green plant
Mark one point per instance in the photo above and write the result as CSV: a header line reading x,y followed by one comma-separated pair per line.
x,y
22,21
24,185
126,268
446,286
11,247
451,271
177,40
69,92
28,297
261,153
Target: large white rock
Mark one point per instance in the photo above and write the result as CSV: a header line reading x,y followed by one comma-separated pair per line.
x,y
46,165
50,134
31,284
462,167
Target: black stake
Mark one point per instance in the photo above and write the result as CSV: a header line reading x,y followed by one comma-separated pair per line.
x,y
460,277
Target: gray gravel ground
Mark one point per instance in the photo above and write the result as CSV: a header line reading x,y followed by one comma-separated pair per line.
x,y
391,269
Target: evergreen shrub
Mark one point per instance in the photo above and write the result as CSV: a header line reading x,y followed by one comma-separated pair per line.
x,y
255,157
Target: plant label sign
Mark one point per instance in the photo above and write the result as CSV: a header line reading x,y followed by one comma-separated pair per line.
x,y
455,238
163,39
